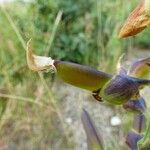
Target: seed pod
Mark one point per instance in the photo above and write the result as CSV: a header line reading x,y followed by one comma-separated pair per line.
x,y
120,89
140,68
78,75
116,90
137,21
81,76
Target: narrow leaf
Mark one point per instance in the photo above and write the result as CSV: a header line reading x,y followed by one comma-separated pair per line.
x,y
94,139
132,140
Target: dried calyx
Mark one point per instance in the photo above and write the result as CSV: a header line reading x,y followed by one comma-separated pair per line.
x,y
39,63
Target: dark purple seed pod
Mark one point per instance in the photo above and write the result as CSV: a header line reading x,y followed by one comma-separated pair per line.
x,y
137,105
119,90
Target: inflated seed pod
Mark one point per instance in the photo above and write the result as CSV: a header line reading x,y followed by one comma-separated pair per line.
x,y
122,88
78,75
81,76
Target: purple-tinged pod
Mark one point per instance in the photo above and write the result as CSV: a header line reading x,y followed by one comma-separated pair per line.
x,y
140,68
119,90
138,105
75,74
122,88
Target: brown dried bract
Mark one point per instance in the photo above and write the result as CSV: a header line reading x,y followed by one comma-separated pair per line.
x,y
137,21
39,63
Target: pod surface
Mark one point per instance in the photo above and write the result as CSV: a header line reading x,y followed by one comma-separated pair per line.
x,y
81,76
119,90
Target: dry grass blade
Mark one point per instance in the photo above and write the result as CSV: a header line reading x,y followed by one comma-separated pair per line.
x,y
13,26
56,23
20,38
93,137
20,98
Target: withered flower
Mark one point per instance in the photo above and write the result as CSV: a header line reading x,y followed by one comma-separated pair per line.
x,y
137,21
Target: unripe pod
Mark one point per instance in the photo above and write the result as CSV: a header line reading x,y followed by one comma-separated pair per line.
x,y
81,76
122,88
119,90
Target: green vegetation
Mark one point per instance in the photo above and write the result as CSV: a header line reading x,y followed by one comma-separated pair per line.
x,y
86,34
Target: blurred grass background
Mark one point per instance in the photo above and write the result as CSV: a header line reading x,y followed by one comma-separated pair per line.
x,y
32,106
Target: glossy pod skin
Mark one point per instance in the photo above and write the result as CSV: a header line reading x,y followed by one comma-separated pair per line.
x,y
119,90
122,88
81,76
